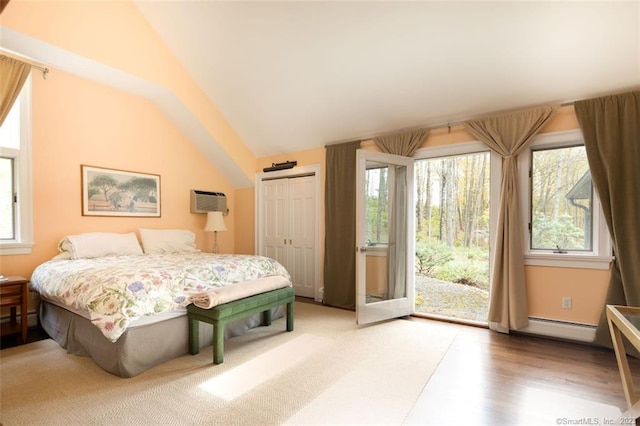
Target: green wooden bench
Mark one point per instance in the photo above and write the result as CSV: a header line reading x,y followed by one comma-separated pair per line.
x,y
220,315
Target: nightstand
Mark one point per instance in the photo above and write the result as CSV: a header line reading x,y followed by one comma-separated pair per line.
x,y
13,293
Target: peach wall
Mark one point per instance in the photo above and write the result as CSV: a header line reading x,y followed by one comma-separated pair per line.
x,y
546,286
245,220
77,121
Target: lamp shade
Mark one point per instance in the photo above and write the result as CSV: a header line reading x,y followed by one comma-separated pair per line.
x,y
215,222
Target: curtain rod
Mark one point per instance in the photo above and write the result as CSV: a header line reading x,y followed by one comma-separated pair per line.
x,y
459,123
435,126
42,69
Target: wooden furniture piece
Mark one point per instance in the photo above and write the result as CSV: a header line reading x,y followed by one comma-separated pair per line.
x,y
14,293
220,315
625,320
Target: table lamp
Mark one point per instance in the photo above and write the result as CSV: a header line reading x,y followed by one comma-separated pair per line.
x,y
215,223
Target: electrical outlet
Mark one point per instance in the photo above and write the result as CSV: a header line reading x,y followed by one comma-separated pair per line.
x,y
566,303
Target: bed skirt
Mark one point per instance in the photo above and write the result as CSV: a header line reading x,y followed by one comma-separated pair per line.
x,y
139,348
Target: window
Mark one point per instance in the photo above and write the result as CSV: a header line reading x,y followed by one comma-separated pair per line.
x,y
561,199
564,220
16,235
377,187
7,191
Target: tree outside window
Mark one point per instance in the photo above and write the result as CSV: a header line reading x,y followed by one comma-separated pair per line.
x,y
561,200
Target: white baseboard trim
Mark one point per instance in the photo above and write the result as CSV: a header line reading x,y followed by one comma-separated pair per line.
x,y
560,329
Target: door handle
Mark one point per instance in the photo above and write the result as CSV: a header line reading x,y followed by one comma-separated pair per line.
x,y
362,249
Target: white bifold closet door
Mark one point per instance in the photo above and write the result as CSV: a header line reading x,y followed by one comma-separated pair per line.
x,y
289,228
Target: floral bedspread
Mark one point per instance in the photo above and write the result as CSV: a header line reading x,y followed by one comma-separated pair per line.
x,y
118,290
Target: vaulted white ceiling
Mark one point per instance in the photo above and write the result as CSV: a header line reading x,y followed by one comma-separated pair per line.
x,y
295,75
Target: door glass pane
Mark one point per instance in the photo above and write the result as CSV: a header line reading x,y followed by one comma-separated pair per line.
x,y
377,204
386,230
377,231
452,236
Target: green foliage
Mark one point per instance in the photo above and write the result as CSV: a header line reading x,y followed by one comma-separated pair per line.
x,y
377,222
561,194
429,256
464,271
454,264
377,193
549,232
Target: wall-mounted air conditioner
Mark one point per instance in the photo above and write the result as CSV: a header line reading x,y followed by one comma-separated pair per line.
x,y
205,201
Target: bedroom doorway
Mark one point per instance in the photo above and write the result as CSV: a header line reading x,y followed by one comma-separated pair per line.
x,y
453,210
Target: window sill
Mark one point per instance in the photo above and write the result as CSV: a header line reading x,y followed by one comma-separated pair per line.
x,y
568,261
7,249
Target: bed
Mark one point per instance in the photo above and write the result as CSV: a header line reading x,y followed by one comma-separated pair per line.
x,y
124,304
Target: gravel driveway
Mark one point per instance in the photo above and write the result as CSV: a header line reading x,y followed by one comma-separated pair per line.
x,y
461,301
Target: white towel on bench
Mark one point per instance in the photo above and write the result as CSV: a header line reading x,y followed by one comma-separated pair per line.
x,y
209,299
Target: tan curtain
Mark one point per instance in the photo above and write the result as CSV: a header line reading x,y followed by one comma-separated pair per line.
x,y
13,74
405,144
340,225
508,135
611,129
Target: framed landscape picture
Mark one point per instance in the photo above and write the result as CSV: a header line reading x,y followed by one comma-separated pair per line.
x,y
110,192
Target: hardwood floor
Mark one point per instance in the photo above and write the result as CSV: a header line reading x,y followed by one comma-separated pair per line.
x,y
487,378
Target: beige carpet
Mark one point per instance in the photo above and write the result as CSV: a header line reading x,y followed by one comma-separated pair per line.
x,y
327,371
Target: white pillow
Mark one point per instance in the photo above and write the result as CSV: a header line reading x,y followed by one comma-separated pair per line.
x,y
100,244
168,241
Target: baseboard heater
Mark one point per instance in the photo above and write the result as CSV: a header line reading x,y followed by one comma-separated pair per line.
x,y
560,329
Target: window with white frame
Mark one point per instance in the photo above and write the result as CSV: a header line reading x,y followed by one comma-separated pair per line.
x,y
563,216
16,233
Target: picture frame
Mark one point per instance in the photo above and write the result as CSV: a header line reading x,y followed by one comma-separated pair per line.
x,y
113,192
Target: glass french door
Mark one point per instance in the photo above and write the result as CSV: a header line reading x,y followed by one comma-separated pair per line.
x,y
385,246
